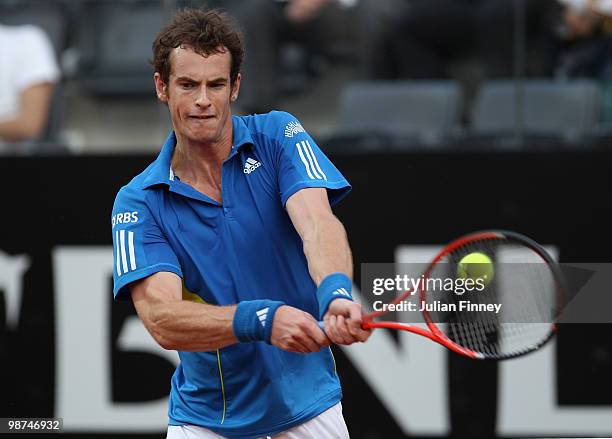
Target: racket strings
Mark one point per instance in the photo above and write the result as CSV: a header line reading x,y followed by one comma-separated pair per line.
x,y
522,284
473,329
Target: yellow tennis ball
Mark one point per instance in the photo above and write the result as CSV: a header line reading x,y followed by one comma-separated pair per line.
x,y
476,266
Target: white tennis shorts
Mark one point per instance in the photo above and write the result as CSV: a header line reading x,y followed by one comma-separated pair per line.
x,y
328,425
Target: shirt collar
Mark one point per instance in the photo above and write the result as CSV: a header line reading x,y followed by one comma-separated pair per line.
x,y
161,171
242,135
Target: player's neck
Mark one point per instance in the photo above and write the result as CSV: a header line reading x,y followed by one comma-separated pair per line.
x,y
199,163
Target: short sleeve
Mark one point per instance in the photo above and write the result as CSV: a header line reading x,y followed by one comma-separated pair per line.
x,y
302,164
140,247
38,65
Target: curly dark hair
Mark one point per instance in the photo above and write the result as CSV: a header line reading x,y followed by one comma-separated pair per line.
x,y
206,32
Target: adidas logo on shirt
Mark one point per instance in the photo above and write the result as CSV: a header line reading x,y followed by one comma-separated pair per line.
x,y
250,165
263,314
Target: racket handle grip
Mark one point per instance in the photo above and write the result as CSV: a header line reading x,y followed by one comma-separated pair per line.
x,y
364,325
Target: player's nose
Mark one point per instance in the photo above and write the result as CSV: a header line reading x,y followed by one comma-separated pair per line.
x,y
202,99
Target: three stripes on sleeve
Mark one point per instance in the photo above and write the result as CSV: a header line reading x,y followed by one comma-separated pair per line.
x,y
124,251
310,161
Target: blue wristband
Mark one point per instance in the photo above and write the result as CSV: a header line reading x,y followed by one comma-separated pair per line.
x,y
334,286
253,320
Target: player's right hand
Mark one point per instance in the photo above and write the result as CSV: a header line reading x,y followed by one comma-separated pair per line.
x,y
297,331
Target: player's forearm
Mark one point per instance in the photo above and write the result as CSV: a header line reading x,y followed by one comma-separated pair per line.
x,y
189,326
327,250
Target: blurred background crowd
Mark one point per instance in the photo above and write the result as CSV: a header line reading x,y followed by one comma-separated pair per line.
x,y
361,75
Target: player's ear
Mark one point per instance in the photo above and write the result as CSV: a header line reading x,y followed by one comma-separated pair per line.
x,y
160,88
235,88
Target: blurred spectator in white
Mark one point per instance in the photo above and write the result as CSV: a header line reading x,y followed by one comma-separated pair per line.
x,y
28,75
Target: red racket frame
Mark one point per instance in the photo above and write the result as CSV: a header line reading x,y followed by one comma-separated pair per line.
x,y
433,332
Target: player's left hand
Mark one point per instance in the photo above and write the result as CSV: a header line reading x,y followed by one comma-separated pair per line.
x,y
343,322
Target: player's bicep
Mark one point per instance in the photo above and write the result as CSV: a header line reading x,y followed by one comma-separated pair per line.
x,y
157,288
307,208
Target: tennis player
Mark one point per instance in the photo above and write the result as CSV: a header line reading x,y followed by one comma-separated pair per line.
x,y
230,252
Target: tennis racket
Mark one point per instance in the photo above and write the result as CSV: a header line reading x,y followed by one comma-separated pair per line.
x,y
527,283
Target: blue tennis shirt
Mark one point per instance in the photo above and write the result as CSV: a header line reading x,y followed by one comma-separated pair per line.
x,y
243,249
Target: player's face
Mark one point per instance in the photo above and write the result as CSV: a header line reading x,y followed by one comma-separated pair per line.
x,y
198,95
